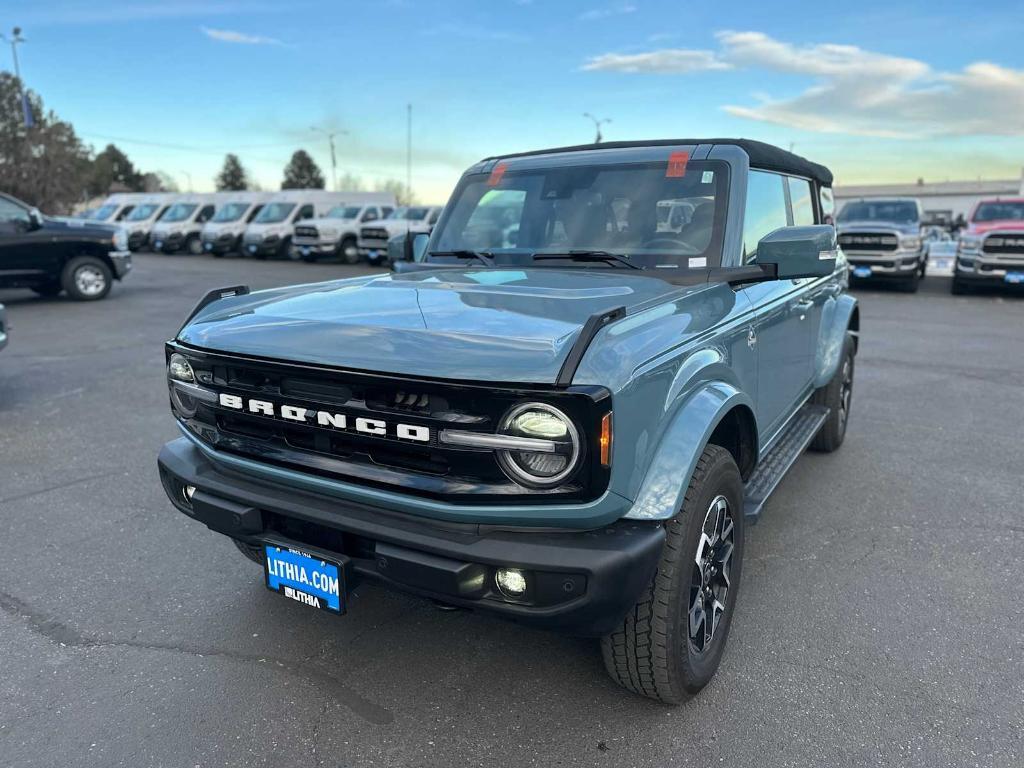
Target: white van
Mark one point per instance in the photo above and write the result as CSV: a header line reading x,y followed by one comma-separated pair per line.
x,y
116,207
336,233
144,214
223,233
271,232
179,228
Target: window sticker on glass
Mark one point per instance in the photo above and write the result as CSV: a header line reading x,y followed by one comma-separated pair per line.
x,y
707,177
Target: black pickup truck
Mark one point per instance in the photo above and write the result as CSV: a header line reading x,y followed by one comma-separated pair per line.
x,y
50,255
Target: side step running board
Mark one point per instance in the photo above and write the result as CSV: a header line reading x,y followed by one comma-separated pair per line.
x,y
773,467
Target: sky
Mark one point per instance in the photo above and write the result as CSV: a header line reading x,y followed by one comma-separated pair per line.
x,y
878,91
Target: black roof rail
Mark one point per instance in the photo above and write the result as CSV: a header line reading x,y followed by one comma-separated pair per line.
x,y
211,296
594,323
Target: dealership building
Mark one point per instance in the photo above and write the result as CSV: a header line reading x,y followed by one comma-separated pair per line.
x,y
942,201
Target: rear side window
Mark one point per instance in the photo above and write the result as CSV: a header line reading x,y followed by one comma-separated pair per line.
x,y
801,201
765,211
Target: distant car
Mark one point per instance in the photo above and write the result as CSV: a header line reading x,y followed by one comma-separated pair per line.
x,y
373,239
50,255
336,232
991,250
882,239
3,327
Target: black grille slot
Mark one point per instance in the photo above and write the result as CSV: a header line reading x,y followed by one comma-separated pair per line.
x,y
1009,244
868,241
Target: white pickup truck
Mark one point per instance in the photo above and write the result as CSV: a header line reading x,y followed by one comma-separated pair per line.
x,y
373,238
336,232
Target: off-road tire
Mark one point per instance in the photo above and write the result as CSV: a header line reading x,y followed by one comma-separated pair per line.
x,y
651,653
254,553
284,250
49,289
349,251
74,271
838,401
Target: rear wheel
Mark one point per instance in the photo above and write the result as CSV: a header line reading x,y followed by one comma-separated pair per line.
x,y
837,396
86,278
284,250
671,642
349,251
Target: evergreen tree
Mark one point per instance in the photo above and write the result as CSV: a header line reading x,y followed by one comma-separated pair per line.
x,y
302,173
232,176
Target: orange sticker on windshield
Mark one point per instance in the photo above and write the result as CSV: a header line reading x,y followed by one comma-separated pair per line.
x,y
677,165
496,174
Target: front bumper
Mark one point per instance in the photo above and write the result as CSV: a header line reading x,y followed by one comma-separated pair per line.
x,y
581,582
315,247
122,261
894,264
268,246
170,243
990,271
221,244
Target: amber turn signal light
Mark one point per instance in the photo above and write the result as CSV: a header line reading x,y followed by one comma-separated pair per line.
x,y
606,440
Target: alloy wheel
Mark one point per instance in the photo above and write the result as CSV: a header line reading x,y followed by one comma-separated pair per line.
x,y
710,579
845,392
90,281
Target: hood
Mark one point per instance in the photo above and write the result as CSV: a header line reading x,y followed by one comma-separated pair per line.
x,y
984,227
476,324
903,227
85,226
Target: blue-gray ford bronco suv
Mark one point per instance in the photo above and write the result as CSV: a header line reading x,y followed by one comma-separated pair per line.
x,y
564,405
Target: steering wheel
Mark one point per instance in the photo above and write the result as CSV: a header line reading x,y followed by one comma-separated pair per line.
x,y
671,243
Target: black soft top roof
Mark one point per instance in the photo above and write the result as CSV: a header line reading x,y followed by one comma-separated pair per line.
x,y
765,156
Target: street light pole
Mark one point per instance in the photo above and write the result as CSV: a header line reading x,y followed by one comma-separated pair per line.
x,y
597,125
334,159
14,40
188,176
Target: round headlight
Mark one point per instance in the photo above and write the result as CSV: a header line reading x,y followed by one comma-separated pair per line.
x,y
540,468
178,368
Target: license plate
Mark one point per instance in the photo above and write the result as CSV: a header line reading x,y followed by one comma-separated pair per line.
x,y
862,271
159,243
1014,278
372,254
305,250
208,246
252,249
944,262
304,578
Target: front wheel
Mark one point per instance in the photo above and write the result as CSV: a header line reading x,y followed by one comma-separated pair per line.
x,y
349,251
837,396
194,246
86,278
671,643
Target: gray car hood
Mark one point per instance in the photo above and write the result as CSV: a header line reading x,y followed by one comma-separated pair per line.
x,y
505,325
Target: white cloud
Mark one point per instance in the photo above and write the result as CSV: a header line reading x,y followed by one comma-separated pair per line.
x,y
605,12
231,36
852,90
668,61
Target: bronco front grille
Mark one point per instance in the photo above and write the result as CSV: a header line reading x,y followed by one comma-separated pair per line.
x,y
1004,244
868,241
400,448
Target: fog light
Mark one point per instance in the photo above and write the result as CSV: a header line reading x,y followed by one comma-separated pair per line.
x,y
189,491
511,582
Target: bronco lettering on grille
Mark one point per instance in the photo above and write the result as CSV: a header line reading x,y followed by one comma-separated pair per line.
x,y
341,421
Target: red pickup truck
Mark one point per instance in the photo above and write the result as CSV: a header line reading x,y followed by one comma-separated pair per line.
x,y
991,249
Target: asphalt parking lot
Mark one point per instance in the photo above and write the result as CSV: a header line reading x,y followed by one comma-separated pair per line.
x,y
880,621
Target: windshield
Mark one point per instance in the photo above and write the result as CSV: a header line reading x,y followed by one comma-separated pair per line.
x,y
274,212
230,212
999,212
343,212
879,210
142,213
104,212
416,213
657,216
178,212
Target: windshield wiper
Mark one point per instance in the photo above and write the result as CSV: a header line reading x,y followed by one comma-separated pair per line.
x,y
584,255
485,257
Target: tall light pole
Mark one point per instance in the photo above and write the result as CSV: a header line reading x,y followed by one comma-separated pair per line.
x,y
334,159
188,176
597,125
14,39
408,152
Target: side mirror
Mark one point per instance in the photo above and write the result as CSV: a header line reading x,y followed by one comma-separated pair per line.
x,y
799,251
409,246
35,219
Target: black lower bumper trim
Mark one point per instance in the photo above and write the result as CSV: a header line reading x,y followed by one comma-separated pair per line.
x,y
580,582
